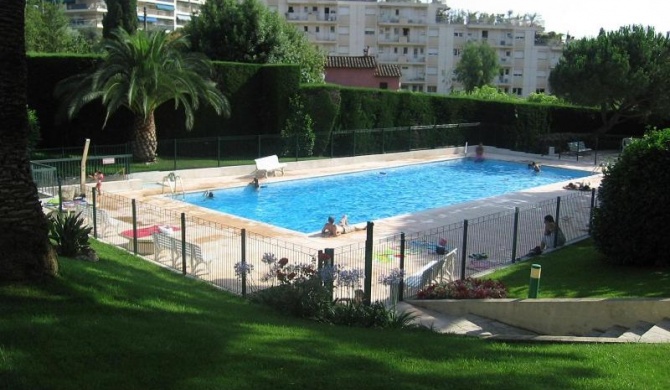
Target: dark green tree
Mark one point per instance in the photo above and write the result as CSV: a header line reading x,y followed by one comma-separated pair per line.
x,y
141,72
48,29
625,73
632,217
26,251
477,67
120,13
247,31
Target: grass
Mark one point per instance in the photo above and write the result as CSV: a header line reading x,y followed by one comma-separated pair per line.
x,y
123,323
577,271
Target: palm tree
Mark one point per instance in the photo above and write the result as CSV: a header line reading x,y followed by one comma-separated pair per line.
x,y
26,251
141,72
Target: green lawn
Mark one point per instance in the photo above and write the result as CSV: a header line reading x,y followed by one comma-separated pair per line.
x,y
577,271
123,323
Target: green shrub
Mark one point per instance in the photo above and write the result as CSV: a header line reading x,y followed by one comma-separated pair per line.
x,y
306,291
631,220
69,233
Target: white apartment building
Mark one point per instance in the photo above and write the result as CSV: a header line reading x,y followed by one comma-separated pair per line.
x,y
425,40
165,15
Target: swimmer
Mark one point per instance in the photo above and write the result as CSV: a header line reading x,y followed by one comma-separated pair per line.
x,y
208,194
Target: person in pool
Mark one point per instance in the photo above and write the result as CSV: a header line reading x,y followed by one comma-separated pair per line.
x,y
330,229
254,183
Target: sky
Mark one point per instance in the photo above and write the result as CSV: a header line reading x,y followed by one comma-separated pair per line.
x,y
579,18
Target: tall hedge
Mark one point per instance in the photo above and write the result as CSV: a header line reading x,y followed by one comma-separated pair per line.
x,y
630,226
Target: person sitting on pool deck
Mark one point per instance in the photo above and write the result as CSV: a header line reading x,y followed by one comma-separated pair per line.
x,y
331,229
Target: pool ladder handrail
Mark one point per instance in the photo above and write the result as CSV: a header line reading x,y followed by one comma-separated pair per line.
x,y
171,181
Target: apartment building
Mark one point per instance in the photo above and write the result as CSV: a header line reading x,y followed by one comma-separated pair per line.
x,y
425,40
164,15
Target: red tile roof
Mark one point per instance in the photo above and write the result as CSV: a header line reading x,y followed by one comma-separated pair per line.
x,y
364,62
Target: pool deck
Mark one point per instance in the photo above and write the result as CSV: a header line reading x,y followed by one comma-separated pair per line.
x,y
149,187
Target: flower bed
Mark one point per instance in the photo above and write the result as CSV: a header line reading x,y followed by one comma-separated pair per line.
x,y
469,288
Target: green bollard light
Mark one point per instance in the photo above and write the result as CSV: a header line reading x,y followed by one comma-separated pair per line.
x,y
534,287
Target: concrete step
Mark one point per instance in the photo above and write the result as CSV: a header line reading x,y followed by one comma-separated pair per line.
x,y
659,333
614,331
635,333
470,325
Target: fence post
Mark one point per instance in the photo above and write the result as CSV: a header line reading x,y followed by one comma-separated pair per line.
x,y
183,244
354,143
95,219
558,214
332,147
330,252
593,205
174,164
133,206
515,234
401,286
464,252
383,152
243,243
60,196
368,264
297,145
218,151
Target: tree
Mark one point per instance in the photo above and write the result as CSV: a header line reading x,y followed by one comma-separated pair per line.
x,y
48,30
141,72
477,67
120,13
626,74
26,251
630,222
247,31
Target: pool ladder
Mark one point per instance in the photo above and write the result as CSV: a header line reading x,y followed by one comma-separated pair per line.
x,y
172,181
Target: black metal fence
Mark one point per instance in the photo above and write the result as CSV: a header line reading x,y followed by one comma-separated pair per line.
x,y
175,154
217,253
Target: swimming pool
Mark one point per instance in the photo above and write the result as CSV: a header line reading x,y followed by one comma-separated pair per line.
x,y
304,205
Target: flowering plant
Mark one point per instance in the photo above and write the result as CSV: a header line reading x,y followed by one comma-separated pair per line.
x,y
243,268
469,288
393,278
269,258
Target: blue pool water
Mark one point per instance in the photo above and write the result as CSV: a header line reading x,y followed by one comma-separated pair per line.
x,y
304,205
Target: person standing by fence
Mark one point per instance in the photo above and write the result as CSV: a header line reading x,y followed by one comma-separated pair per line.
x,y
99,177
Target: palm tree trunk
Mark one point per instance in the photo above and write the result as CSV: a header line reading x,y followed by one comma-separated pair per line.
x,y
27,253
145,143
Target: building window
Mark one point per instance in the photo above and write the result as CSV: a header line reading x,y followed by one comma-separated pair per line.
x,y
485,34
432,89
517,91
315,9
405,32
518,73
305,28
383,85
369,31
457,52
318,29
539,90
290,10
458,34
397,12
404,50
